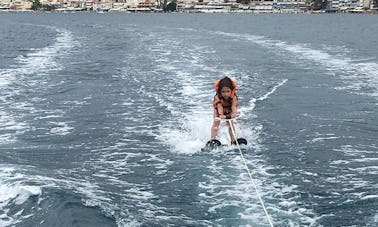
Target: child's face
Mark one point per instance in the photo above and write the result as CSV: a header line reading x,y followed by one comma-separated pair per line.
x,y
226,92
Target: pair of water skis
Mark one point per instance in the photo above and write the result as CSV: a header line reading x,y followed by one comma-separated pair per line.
x,y
215,144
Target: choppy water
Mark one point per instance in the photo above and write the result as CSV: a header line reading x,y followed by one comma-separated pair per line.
x,y
103,117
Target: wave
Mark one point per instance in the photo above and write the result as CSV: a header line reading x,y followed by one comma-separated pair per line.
x,y
28,72
14,192
361,75
44,60
172,103
252,103
24,194
225,185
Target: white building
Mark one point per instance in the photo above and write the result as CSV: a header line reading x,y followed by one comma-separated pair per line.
x,y
345,5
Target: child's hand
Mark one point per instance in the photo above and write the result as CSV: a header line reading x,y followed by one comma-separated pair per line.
x,y
222,116
233,115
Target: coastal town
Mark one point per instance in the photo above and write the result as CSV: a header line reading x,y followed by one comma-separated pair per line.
x,y
194,6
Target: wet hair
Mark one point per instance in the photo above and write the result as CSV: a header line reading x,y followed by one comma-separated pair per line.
x,y
224,82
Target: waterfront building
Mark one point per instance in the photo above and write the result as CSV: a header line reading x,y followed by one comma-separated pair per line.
x,y
350,5
141,6
261,6
290,6
4,5
119,5
102,5
206,6
15,5
88,5
367,4
132,4
185,5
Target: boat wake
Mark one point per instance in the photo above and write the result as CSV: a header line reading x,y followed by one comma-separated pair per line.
x,y
360,76
27,75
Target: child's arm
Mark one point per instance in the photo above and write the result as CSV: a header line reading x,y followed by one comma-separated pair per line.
x,y
219,108
234,107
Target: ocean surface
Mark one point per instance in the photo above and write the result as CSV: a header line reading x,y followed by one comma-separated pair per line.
x,y
103,118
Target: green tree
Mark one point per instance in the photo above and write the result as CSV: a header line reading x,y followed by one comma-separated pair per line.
x,y
48,7
244,2
319,4
172,6
36,5
375,3
162,4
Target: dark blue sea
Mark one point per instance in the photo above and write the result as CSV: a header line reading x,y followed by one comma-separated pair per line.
x,y
103,118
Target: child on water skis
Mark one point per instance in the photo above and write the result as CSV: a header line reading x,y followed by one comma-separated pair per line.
x,y
225,105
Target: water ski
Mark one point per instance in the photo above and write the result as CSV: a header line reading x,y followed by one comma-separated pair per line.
x,y
240,141
212,144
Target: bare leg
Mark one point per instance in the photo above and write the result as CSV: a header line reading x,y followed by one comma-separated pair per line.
x,y
214,129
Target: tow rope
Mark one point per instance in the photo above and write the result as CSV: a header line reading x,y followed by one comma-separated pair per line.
x,y
249,173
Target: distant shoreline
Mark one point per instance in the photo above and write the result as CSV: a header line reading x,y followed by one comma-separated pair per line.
x,y
186,12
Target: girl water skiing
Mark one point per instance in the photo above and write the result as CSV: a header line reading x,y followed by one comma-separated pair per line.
x,y
225,105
